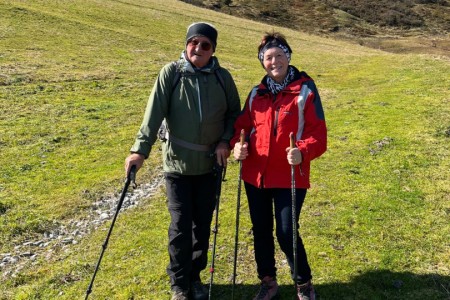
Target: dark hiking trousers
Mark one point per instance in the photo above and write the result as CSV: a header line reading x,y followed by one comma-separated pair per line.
x,y
263,203
191,202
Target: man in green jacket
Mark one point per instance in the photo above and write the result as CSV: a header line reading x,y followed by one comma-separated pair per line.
x,y
199,102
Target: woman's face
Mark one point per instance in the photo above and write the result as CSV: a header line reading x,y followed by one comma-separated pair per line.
x,y
276,64
199,50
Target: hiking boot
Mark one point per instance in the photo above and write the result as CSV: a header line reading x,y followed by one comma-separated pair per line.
x,y
306,291
268,289
179,295
199,291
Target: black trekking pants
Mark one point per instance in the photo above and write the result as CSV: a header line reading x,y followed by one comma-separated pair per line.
x,y
191,203
264,205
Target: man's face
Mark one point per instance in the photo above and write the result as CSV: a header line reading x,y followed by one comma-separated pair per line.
x,y
199,50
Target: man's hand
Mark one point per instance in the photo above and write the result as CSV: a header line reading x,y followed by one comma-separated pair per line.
x,y
135,159
222,153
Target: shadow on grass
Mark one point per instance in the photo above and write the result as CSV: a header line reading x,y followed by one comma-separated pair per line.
x,y
382,284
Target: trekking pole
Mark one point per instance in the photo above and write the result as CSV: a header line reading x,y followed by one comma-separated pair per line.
x,y
130,178
220,178
294,214
238,206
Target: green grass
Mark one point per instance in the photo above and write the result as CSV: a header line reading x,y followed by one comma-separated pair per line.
x,y
74,80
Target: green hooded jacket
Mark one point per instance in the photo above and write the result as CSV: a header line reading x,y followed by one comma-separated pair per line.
x,y
198,110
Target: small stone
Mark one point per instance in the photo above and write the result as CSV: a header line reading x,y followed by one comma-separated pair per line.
x,y
68,240
26,254
38,243
13,259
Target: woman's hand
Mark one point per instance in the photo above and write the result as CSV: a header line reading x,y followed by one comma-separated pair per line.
x,y
240,152
294,156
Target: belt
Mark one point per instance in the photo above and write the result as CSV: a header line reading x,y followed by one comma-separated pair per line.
x,y
188,145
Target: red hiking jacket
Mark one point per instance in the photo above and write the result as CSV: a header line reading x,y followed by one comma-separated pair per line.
x,y
268,119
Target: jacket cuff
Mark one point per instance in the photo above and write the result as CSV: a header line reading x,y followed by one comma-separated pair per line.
x,y
141,149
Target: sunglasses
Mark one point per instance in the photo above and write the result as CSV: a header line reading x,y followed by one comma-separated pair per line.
x,y
204,45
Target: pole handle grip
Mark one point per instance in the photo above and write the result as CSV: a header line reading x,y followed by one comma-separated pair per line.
x,y
292,140
242,137
132,175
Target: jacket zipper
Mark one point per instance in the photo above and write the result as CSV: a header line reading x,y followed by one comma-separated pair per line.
x,y
199,101
275,125
277,110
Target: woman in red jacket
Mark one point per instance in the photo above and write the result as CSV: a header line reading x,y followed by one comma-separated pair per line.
x,y
285,101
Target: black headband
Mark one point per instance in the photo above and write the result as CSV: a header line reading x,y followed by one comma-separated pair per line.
x,y
275,43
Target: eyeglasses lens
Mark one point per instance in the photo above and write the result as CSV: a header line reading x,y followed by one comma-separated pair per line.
x,y
204,45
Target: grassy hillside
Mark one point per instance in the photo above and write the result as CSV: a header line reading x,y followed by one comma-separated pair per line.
x,y
74,80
